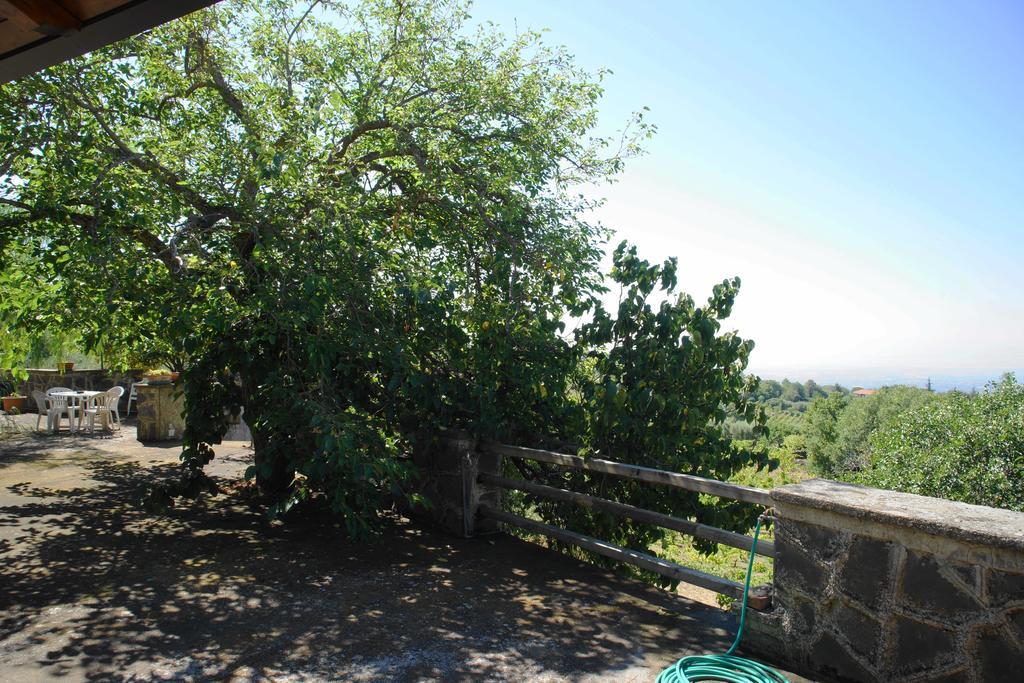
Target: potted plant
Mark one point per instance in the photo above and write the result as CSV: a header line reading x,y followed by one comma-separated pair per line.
x,y
63,342
159,377
13,403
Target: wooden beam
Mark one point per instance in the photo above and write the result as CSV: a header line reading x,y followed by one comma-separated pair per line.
x,y
651,563
116,23
51,17
747,494
729,538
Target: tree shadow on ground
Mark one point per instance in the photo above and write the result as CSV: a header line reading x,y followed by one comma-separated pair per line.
x,y
92,587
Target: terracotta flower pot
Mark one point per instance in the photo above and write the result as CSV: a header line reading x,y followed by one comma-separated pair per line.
x,y
14,403
66,366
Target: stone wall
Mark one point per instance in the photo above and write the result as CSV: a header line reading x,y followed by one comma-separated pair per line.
x,y
873,585
447,469
40,379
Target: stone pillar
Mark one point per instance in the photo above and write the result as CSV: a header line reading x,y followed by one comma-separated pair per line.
x,y
160,409
446,476
874,585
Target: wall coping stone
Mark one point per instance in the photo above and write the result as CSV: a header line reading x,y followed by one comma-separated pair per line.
x,y
971,523
55,371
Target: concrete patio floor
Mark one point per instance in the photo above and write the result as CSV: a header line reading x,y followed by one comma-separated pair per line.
x,y
94,588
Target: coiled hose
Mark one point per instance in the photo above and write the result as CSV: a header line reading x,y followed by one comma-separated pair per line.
x,y
727,668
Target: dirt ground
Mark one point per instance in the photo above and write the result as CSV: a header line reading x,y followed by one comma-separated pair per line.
x,y
94,588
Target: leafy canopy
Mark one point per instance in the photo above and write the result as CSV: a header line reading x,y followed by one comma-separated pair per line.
x,y
360,223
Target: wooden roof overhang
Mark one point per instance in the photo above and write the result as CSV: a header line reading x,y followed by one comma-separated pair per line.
x,y
35,34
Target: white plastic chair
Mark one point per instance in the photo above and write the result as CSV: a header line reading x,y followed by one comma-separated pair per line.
x,y
133,395
104,406
61,405
115,392
42,407
53,390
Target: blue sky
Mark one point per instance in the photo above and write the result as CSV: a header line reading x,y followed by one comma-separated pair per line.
x,y
860,165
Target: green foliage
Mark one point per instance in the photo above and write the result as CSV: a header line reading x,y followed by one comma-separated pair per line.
x,y
838,428
793,391
662,377
359,224
766,390
791,398
962,447
781,425
729,562
739,429
795,445
813,391
821,431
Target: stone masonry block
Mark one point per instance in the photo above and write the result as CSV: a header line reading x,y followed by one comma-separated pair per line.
x,y
828,656
795,568
880,585
968,574
863,632
958,674
923,586
489,462
806,616
446,474
866,574
448,458
1004,587
822,543
450,487
1015,618
998,657
920,646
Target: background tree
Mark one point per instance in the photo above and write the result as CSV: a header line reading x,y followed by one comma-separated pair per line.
x,y
793,391
812,390
962,447
839,429
821,432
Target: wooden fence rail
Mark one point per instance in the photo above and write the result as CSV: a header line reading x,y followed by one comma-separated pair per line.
x,y
649,475
747,494
633,557
711,533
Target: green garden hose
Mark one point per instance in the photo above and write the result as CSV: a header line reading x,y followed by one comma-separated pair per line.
x,y
727,668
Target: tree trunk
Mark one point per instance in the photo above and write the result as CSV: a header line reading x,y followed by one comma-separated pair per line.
x,y
273,473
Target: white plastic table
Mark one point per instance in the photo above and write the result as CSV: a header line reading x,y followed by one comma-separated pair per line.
x,y
81,400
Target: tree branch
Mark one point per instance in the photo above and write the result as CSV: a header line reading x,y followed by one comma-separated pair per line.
x,y
146,162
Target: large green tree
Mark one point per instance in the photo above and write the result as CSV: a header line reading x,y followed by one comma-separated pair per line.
x,y
352,219
361,224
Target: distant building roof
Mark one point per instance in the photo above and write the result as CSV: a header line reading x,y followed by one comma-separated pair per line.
x,y
864,392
